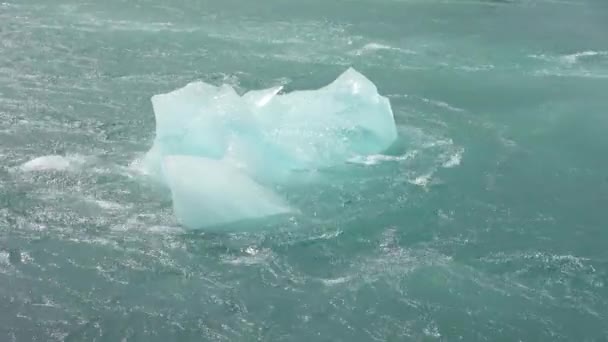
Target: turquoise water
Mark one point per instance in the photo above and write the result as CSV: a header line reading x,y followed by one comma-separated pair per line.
x,y
486,221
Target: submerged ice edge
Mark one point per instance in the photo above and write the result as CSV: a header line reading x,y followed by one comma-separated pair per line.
x,y
220,153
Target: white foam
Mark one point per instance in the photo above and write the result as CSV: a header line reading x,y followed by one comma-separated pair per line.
x,y
4,258
454,159
326,236
475,68
254,257
422,180
397,96
541,57
432,331
438,143
375,159
574,58
569,59
336,281
54,163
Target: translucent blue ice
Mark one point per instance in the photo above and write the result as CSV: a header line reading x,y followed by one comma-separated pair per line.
x,y
215,148
208,192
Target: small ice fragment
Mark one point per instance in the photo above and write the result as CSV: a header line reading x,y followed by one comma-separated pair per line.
x,y
53,162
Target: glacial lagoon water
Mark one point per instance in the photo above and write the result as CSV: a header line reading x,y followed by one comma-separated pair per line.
x,y
485,220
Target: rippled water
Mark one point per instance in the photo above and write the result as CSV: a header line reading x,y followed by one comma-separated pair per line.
x,y
485,222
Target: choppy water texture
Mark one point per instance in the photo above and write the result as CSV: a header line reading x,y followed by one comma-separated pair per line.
x,y
485,222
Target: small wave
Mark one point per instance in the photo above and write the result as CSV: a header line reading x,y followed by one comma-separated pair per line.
x,y
373,47
541,57
435,103
570,74
54,163
568,267
569,59
475,68
90,23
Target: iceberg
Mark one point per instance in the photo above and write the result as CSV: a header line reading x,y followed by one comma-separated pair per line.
x,y
221,154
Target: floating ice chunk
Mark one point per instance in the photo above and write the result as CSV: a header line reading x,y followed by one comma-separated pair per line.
x,y
53,162
209,192
259,137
